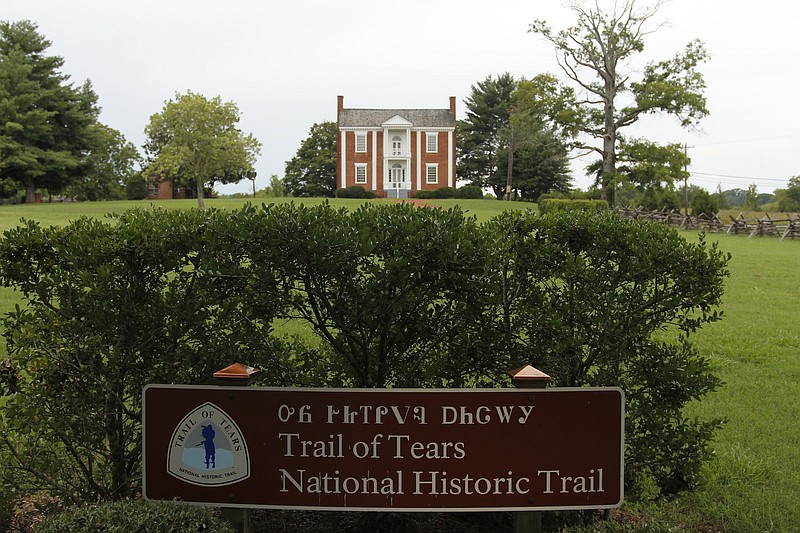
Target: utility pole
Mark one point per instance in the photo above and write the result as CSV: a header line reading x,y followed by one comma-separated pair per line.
x,y
686,180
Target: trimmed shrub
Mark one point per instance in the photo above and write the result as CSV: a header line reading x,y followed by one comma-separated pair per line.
x,y
135,515
443,193
423,194
596,300
557,205
354,191
469,192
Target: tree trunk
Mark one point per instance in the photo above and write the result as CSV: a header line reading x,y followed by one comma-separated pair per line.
x,y
201,204
609,144
30,191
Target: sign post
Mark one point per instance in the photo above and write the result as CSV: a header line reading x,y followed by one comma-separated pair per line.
x,y
237,375
384,449
528,377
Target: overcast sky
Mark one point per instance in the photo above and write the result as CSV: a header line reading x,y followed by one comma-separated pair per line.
x,y
283,63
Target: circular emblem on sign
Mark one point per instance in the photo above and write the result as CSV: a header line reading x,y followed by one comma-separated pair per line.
x,y
207,448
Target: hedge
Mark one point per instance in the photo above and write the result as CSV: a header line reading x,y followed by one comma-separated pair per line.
x,y
354,191
135,515
556,205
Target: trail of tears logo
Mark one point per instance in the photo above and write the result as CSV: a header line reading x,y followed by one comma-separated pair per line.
x,y
208,449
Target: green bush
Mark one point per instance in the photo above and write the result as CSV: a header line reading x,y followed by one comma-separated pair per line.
x,y
398,296
354,191
601,301
704,203
151,297
556,205
132,516
657,199
469,192
135,188
443,193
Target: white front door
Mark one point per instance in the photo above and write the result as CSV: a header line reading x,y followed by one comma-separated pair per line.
x,y
397,177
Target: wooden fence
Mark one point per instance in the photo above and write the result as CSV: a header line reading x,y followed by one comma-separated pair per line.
x,y
757,226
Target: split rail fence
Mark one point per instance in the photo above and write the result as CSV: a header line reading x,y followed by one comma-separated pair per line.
x,y
755,226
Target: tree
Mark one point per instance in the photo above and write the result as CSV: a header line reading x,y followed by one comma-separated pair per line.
x,y
312,170
110,166
194,142
480,134
789,198
593,54
537,138
751,197
650,165
704,203
276,187
45,122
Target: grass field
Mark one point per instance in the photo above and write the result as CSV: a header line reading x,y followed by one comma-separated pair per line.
x,y
753,482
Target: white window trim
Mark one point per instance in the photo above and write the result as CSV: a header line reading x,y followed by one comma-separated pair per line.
x,y
428,167
362,134
431,136
358,167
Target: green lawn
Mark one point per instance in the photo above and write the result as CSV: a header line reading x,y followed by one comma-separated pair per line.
x,y
754,479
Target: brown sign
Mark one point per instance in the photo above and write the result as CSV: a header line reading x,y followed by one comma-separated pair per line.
x,y
392,449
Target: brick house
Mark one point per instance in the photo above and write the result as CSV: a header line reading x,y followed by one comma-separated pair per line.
x,y
395,152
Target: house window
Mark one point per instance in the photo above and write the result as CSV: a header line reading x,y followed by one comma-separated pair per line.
x,y
432,142
396,145
431,174
361,142
361,174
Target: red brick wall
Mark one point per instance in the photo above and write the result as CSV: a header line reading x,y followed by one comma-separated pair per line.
x,y
161,190
439,157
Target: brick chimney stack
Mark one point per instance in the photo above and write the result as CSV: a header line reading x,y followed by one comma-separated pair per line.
x,y
453,106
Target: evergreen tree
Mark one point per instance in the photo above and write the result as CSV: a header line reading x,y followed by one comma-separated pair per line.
x,y
481,159
312,170
45,122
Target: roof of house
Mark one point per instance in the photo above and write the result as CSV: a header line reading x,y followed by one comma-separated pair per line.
x,y
374,118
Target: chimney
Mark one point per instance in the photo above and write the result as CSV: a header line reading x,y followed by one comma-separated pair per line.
x,y
453,106
339,105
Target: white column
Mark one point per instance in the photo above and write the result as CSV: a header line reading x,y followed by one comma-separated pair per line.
x,y
344,159
450,169
419,160
374,160
386,147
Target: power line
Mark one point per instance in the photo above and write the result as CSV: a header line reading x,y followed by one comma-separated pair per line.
x,y
752,139
779,180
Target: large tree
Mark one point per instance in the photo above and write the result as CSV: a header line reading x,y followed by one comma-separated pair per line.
x,y
480,134
537,138
312,170
594,54
112,163
45,122
195,141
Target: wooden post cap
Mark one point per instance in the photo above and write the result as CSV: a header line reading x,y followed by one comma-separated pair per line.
x,y
529,377
236,373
